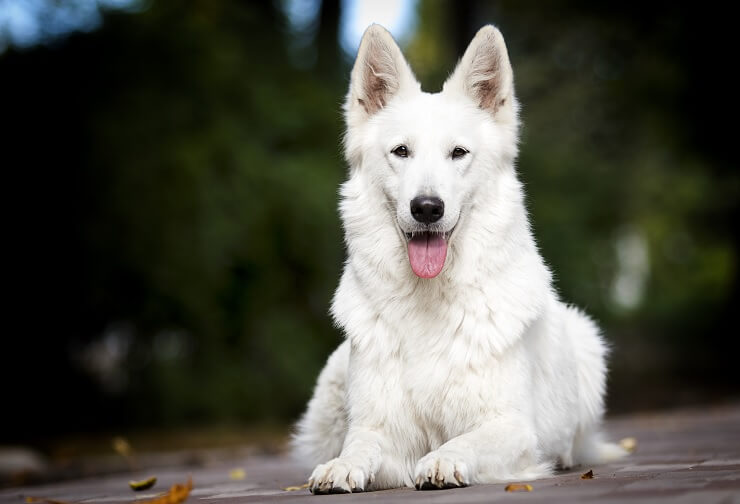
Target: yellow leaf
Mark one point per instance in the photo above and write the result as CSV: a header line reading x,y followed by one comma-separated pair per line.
x,y
518,487
588,475
146,484
294,488
122,446
629,444
124,449
237,474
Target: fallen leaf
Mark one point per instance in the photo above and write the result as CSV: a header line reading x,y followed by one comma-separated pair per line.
x,y
294,488
121,446
177,493
518,487
45,500
629,444
146,484
588,475
237,474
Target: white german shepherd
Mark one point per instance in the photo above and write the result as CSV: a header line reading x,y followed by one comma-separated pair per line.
x,y
460,364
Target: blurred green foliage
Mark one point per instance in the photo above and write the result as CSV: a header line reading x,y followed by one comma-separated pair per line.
x,y
221,202
177,175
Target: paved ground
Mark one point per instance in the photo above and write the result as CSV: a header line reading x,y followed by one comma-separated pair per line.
x,y
687,456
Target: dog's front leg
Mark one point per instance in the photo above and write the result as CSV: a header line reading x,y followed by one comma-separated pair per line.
x,y
501,450
355,468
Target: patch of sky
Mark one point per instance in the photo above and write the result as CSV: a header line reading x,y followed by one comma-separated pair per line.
x,y
26,23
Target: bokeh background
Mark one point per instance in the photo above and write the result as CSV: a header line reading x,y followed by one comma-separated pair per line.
x,y
171,173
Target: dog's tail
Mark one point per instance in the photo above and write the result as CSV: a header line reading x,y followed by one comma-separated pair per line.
x,y
591,448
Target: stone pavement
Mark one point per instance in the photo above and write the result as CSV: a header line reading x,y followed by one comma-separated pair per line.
x,y
682,456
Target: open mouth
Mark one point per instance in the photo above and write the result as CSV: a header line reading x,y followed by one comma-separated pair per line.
x,y
427,251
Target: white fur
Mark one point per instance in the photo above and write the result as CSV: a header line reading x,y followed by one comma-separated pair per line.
x,y
478,375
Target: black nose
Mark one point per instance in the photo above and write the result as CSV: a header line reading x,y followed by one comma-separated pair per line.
x,y
427,209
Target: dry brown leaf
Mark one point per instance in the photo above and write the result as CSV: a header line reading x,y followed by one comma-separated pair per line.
x,y
177,493
518,487
629,444
294,488
145,484
45,500
588,475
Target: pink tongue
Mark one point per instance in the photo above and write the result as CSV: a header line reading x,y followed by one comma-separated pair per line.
x,y
427,254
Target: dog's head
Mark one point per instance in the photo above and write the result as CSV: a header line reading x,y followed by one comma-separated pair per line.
x,y
430,154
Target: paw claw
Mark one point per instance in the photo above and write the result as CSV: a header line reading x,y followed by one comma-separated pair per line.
x,y
458,476
437,471
338,476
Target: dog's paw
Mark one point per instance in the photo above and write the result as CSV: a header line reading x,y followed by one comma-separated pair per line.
x,y
437,471
338,476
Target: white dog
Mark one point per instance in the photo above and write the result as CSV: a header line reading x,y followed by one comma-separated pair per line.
x,y
460,364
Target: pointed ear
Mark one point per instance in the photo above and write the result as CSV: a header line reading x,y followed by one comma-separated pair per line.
x,y
380,72
484,73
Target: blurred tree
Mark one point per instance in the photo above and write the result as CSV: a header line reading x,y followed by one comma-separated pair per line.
x,y
191,189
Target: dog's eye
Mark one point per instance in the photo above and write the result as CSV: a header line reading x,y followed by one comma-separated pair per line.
x,y
401,151
458,152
